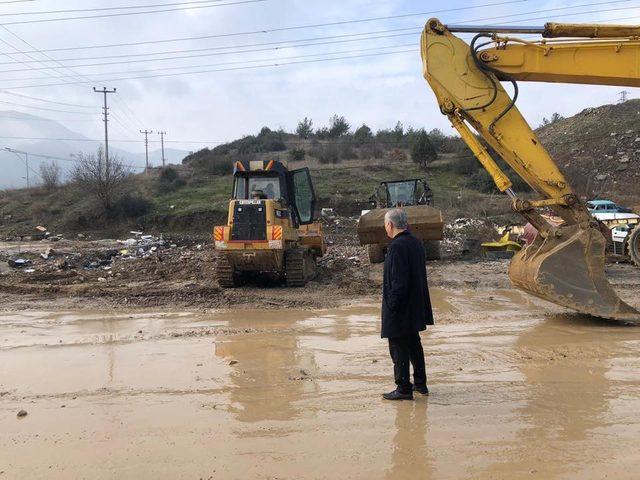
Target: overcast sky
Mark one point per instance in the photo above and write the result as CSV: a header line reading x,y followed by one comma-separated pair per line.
x,y
219,106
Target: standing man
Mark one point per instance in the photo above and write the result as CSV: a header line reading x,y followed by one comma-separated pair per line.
x,y
406,306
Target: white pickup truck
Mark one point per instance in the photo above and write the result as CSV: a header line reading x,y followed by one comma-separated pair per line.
x,y
625,233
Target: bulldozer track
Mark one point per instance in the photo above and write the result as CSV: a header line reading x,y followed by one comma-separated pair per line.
x,y
227,278
295,260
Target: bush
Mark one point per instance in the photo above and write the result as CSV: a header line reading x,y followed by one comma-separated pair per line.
x,y
466,165
105,182
346,150
371,150
130,206
169,180
327,154
422,151
297,154
50,174
396,155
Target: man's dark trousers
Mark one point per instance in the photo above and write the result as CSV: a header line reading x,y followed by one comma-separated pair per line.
x,y
405,350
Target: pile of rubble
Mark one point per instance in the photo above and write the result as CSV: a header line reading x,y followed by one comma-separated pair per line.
x,y
599,148
102,257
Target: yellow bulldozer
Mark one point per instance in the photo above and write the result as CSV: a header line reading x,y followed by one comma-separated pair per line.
x,y
414,197
271,226
565,263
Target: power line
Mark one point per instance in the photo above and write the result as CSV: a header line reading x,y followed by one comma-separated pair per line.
x,y
95,140
102,9
246,51
217,70
109,15
39,119
45,108
413,31
77,76
283,29
53,157
207,55
283,41
44,100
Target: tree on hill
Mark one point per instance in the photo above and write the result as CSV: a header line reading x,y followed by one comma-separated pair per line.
x,y
50,174
555,117
422,151
398,132
305,127
339,126
362,135
105,181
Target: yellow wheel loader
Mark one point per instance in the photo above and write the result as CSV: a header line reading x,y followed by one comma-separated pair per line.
x,y
271,226
565,263
414,197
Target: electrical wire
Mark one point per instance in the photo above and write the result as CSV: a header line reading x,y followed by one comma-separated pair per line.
x,y
308,26
45,108
109,15
45,100
280,44
102,9
16,87
127,62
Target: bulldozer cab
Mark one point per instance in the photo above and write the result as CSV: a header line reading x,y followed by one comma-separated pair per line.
x,y
402,193
272,180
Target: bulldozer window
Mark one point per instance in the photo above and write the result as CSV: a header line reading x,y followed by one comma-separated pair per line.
x,y
401,193
304,195
269,186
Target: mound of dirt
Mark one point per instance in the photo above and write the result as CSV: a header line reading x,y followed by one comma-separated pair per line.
x,y
598,149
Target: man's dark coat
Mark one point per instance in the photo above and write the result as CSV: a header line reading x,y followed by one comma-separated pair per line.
x,y
406,306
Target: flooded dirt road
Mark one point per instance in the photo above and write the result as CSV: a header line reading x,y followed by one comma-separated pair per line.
x,y
287,394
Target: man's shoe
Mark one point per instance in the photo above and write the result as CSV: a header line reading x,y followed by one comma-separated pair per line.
x,y
421,389
397,395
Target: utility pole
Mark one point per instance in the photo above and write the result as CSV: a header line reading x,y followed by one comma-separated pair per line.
x,y
162,134
624,96
146,147
105,109
26,160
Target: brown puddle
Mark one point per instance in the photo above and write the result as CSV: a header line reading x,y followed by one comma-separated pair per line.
x,y
295,395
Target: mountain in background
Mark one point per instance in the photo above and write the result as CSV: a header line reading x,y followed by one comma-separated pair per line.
x,y
23,127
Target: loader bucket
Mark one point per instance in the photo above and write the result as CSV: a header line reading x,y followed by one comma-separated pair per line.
x,y
568,269
425,222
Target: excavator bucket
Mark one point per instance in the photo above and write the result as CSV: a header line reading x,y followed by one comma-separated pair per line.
x,y
568,269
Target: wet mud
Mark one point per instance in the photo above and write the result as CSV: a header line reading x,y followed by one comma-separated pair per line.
x,y
519,389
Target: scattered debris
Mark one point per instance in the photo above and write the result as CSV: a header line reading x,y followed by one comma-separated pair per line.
x,y
19,262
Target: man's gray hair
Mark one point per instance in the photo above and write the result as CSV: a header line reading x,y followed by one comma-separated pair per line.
x,y
397,217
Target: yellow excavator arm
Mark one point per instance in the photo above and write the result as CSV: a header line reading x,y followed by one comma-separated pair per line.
x,y
565,264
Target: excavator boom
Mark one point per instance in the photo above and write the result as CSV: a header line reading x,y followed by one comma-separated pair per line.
x,y
565,264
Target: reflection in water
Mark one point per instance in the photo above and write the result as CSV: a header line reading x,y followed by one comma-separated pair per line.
x,y
270,376
411,456
564,363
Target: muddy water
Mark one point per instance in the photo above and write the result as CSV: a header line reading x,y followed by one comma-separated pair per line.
x,y
295,395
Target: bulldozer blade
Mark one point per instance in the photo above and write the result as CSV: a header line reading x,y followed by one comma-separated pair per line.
x,y
425,222
568,269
